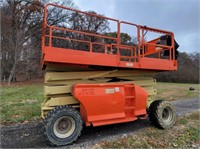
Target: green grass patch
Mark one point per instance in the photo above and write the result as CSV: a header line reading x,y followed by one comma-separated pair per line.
x,y
21,103
176,91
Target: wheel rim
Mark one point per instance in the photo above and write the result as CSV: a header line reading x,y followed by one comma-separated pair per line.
x,y
167,114
64,127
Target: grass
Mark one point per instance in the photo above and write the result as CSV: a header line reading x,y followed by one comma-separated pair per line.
x,y
21,103
176,91
185,134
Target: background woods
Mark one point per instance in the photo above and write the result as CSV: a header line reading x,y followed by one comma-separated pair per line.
x,y
21,27
188,70
21,24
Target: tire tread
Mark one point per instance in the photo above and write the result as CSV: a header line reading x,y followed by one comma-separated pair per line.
x,y
154,112
52,113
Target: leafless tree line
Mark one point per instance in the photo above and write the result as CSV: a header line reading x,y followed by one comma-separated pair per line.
x,y
188,70
21,25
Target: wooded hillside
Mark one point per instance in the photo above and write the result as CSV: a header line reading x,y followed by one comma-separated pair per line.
x,y
188,70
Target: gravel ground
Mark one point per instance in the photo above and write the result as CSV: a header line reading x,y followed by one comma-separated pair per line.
x,y
31,135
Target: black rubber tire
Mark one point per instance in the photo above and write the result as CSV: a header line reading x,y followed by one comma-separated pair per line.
x,y
162,114
56,116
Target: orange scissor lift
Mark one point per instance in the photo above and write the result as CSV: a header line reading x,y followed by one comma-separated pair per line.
x,y
99,82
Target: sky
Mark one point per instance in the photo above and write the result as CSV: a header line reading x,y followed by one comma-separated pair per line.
x,y
182,17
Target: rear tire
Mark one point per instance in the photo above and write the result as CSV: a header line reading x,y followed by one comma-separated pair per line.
x,y
62,125
162,114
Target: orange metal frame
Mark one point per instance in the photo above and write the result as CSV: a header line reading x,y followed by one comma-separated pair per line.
x,y
139,54
113,103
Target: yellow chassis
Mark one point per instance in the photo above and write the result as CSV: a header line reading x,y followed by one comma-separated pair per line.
x,y
58,84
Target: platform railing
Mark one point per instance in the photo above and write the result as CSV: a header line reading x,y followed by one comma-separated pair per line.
x,y
136,51
150,43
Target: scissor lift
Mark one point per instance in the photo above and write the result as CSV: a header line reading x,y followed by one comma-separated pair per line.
x,y
99,83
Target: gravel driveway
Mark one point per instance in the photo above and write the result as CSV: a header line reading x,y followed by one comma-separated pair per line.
x,y
31,136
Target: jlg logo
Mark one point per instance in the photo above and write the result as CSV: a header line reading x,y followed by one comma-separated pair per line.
x,y
86,92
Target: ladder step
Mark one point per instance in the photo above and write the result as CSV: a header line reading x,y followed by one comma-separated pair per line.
x,y
129,96
129,108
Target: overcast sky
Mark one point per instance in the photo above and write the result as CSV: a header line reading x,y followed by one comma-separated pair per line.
x,y
179,16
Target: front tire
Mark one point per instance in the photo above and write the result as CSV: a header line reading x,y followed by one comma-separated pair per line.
x,y
162,114
62,125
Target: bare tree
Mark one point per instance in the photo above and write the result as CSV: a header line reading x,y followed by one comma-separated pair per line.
x,y
17,25
21,37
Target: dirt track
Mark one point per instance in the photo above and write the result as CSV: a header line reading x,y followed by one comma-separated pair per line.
x,y
31,136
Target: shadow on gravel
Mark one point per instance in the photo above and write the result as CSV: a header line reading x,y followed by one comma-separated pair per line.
x,y
31,136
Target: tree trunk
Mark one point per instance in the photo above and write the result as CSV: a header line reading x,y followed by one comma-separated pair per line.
x,y
12,72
